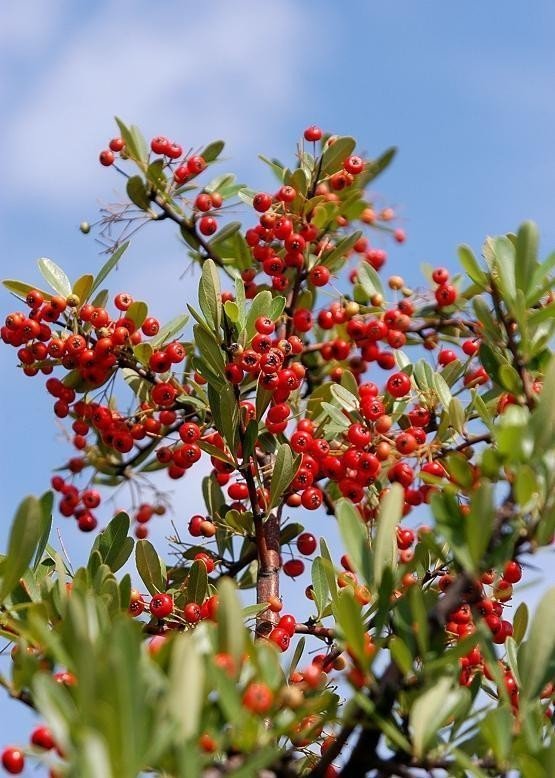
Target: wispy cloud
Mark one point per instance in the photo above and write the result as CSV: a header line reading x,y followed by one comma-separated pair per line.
x,y
195,76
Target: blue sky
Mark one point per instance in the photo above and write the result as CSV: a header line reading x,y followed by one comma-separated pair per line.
x,y
465,92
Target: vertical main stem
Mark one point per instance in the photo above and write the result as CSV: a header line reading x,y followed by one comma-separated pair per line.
x,y
267,580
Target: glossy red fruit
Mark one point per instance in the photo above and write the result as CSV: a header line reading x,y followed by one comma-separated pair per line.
x,y
280,637
207,225
42,738
161,605
293,568
191,612
262,202
398,385
319,275
445,295
353,165
13,760
306,543
106,157
288,623
313,133
512,572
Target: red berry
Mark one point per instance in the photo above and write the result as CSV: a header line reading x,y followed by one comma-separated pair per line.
x,y
207,225
293,568
173,150
195,165
353,165
319,275
116,144
306,543
161,605
445,295
440,275
288,623
280,637
13,760
512,572
313,133
261,202
106,158
191,612
398,385
159,144
446,356
258,698
42,738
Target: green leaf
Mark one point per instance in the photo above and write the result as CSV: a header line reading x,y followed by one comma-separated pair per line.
x,y
231,631
137,312
227,232
483,313
368,278
169,330
538,653
373,168
155,174
526,484
285,468
496,729
442,390
430,711
113,543
197,583
509,378
209,294
231,311
133,145
210,351
136,191
347,400
478,525
456,415
109,265
503,267
184,697
401,654
82,287
229,416
385,546
334,258
25,535
348,614
319,584
335,155
354,534
54,702
328,568
526,256
520,623
212,151
277,307
46,503
54,276
275,166
149,567
263,399
260,306
21,289
470,264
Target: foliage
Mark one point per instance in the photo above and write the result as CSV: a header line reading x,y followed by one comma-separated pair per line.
x,y
419,667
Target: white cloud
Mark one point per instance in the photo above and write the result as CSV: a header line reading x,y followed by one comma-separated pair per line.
x,y
223,72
